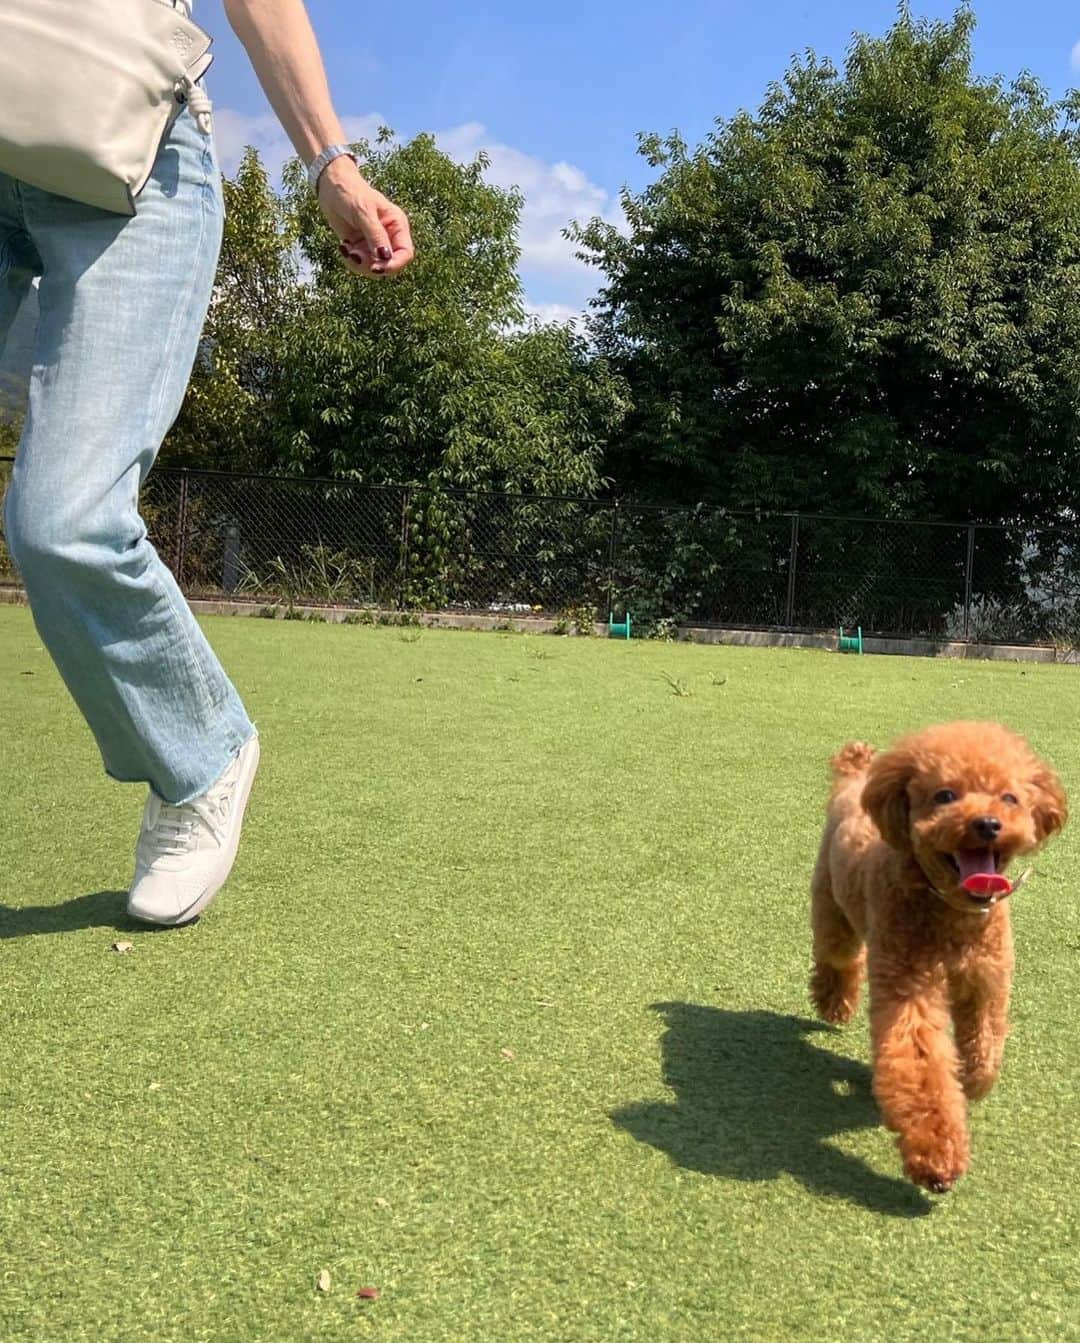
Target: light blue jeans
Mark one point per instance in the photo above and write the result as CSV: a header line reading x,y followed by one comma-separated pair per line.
x,y
122,304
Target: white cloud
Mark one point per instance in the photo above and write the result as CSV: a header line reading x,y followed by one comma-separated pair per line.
x,y
555,312
554,194
1074,57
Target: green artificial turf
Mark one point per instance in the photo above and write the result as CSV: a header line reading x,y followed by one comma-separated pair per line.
x,y
504,1014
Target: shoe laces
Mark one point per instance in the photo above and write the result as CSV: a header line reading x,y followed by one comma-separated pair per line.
x,y
172,828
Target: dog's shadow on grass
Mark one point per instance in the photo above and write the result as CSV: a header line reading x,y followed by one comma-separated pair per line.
x,y
756,1097
102,909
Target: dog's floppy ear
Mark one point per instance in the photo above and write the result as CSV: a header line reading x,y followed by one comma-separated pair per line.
x,y
885,796
1050,809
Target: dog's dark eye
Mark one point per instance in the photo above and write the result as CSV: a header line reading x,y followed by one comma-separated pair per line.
x,y
1010,799
944,797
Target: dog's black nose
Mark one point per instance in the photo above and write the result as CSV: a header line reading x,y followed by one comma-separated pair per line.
x,y
987,828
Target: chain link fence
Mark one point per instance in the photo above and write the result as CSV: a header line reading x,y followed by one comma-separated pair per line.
x,y
275,540
8,576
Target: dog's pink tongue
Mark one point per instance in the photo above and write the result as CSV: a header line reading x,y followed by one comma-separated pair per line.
x,y
979,874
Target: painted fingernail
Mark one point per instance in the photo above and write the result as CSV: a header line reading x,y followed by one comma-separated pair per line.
x,y
385,253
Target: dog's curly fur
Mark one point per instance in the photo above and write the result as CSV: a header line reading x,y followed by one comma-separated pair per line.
x,y
887,896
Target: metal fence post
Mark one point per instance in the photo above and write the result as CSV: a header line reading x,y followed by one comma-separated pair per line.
x,y
613,555
230,560
181,529
406,499
793,564
968,575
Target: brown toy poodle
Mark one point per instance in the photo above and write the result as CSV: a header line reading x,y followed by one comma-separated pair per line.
x,y
909,882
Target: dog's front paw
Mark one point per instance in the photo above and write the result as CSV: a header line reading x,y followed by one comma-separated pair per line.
x,y
835,993
979,1069
979,1082
936,1166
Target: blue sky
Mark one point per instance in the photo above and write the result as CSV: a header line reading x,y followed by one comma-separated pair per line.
x,y
557,91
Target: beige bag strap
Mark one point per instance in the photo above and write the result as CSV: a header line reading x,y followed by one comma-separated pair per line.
x,y
198,101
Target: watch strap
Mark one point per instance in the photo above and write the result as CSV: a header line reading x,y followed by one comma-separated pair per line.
x,y
321,162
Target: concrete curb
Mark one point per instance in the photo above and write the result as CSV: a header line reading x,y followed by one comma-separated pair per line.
x,y
337,615
927,648
530,624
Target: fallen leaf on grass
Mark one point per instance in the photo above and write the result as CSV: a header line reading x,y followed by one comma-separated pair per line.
x,y
368,1294
122,947
322,1282
382,1203
508,1053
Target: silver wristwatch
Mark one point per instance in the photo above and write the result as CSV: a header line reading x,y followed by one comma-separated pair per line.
x,y
318,165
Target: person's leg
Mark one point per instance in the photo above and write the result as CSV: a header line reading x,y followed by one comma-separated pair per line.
x,y
18,260
122,303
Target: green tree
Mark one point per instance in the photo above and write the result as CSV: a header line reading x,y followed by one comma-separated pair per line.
x,y
231,418
864,297
433,376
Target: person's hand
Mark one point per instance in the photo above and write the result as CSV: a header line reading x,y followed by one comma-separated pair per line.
x,y
373,232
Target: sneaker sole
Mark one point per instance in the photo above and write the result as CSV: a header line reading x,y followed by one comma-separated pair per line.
x,y
192,912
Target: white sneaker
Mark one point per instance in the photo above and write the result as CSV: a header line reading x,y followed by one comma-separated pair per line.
x,y
185,853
